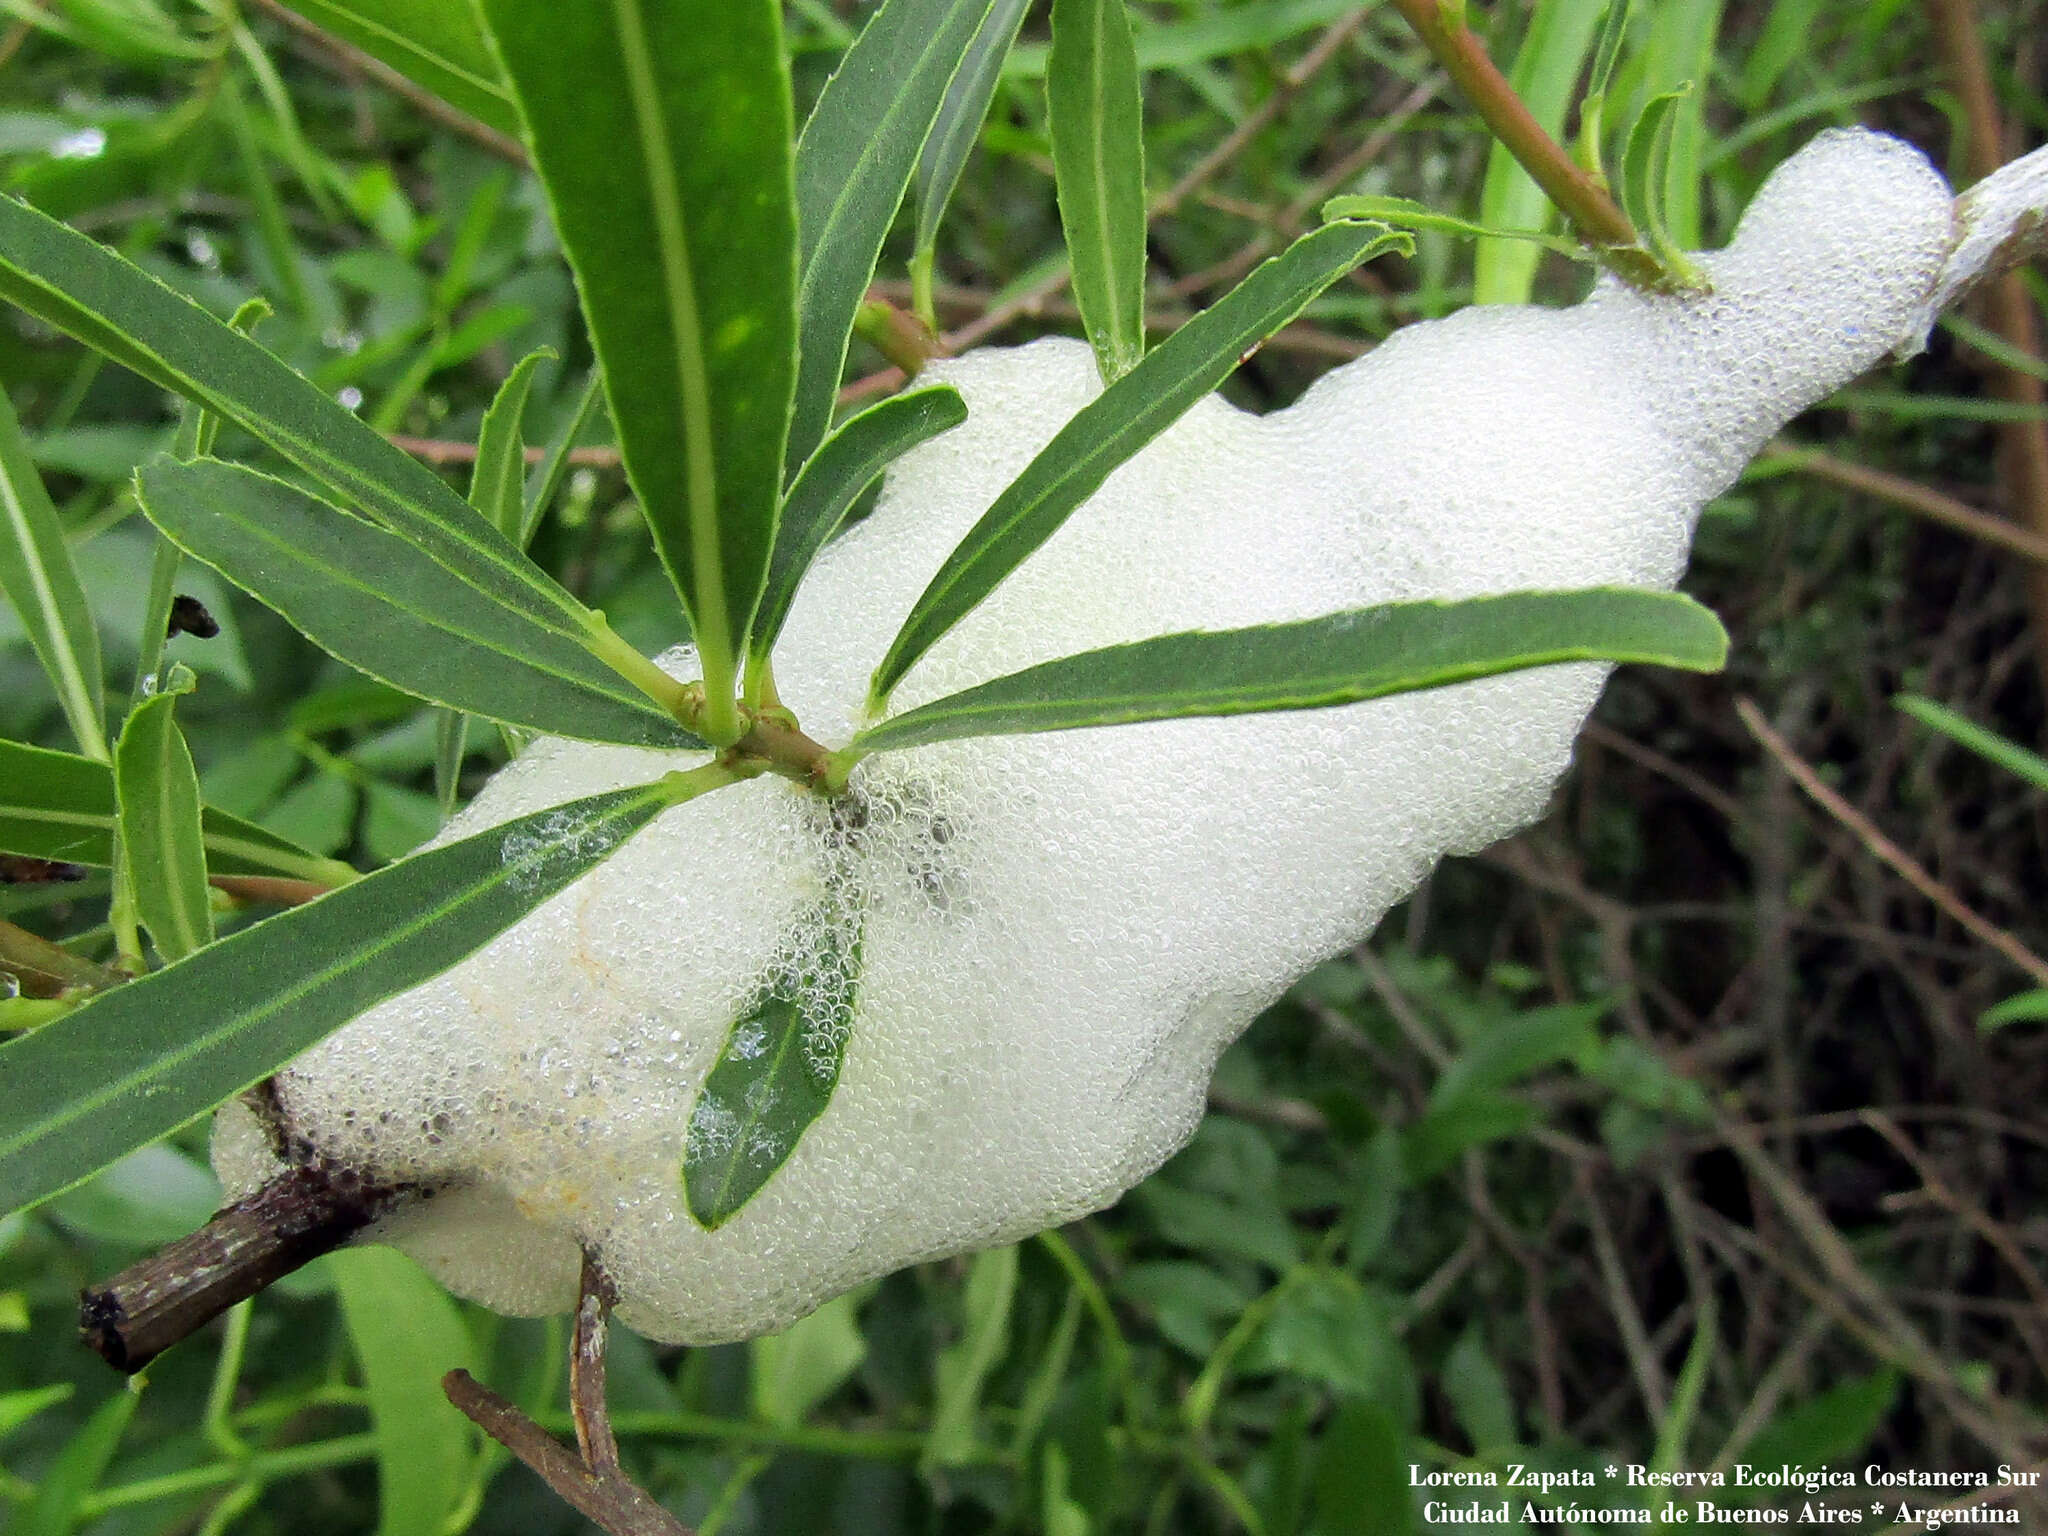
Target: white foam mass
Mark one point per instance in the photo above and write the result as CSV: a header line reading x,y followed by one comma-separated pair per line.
x,y
1062,932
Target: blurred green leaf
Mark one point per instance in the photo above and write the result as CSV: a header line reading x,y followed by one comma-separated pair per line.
x,y
1060,1514
962,1369
154,1195
77,1471
1117,423
407,1335
853,163
1478,1392
17,1408
1340,659
1209,1223
146,1057
1827,1428
775,1073
1674,1435
1377,1204
1361,1475
2020,1008
1471,1119
1516,1047
54,805
2006,753
433,43
1327,1327
162,853
1096,117
38,578
689,288
1184,42
830,482
382,605
797,1369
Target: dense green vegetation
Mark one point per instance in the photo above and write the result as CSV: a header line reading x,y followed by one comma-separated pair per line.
x,y
1680,1131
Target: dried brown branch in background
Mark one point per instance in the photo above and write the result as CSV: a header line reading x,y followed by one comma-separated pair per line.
x,y
2008,307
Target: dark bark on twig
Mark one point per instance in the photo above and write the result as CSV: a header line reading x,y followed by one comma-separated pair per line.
x,y
589,1480
299,1215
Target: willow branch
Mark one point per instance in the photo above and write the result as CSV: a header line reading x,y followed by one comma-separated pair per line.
x,y
1579,195
299,1215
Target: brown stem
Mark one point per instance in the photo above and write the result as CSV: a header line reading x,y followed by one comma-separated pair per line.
x,y
299,1215
1914,497
587,1406
1582,199
591,1481
442,450
2008,309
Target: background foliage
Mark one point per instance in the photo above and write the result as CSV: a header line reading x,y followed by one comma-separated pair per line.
x,y
1665,1132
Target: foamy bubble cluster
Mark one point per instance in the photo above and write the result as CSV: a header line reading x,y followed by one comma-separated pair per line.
x,y
1060,933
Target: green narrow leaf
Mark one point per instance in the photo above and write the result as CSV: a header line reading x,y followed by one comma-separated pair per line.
x,y
381,605
497,483
2020,1008
497,490
1117,423
17,1408
105,301
775,1073
547,475
671,188
963,1369
1367,653
1674,1435
451,746
407,1335
853,163
78,1468
433,43
962,111
1098,153
162,853
1546,68
1646,169
2007,754
38,578
54,805
829,484
1679,48
141,1060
